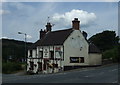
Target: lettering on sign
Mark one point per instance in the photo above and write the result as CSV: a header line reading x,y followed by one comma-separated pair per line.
x,y
58,52
58,49
46,53
76,59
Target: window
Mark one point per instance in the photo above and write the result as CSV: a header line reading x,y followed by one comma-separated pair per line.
x,y
76,59
36,53
55,65
51,54
81,59
39,66
31,65
58,54
40,54
45,65
30,53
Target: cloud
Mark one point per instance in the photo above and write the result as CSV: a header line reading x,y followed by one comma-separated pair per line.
x,y
29,37
26,17
59,0
4,37
31,17
64,20
4,12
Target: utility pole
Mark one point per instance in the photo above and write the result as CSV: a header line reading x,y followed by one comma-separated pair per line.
x,y
25,35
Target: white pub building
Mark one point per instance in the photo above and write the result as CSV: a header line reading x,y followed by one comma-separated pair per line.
x,y
61,50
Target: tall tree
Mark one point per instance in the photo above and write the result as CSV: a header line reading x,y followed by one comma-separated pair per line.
x,y
105,40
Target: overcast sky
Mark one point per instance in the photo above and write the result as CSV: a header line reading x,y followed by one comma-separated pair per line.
x,y
30,17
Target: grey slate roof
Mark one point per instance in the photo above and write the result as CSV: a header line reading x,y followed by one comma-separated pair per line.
x,y
93,48
53,38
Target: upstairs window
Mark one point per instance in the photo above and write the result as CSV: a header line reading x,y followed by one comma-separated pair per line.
x,y
51,54
30,53
40,54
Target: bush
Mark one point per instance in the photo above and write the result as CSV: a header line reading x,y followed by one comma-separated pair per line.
x,y
11,67
111,54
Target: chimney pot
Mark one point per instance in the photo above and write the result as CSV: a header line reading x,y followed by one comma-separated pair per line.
x,y
76,19
48,27
42,33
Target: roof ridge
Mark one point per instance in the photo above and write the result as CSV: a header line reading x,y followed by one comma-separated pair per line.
x,y
62,30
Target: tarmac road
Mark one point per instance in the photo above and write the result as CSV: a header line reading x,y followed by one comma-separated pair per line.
x,y
102,74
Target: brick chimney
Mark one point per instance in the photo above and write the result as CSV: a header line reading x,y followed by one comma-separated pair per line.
x,y
42,33
75,24
48,27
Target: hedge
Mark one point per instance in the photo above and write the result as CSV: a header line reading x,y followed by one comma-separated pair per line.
x,y
11,67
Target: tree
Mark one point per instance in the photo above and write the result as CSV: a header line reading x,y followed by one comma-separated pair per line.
x,y
105,40
13,49
111,54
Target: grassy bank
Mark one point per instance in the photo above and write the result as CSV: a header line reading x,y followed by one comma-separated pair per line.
x,y
12,67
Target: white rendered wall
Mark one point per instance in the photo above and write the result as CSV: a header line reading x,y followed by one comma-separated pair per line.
x,y
35,67
34,53
28,64
95,59
28,53
72,48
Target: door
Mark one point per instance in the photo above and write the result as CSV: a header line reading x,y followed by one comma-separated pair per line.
x,y
39,66
45,65
31,65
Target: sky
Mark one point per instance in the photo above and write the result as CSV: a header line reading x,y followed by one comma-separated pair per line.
x,y
31,17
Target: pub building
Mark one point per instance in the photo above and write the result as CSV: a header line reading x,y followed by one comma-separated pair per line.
x,y
62,50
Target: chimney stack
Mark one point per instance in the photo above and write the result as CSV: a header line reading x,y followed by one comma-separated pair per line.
x,y
48,27
75,24
42,33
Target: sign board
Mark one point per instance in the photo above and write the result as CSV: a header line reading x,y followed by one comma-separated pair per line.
x,y
76,59
45,53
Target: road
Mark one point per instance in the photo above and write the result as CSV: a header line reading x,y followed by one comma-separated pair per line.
x,y
102,74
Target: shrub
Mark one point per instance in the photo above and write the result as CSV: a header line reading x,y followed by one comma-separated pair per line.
x,y
111,54
11,67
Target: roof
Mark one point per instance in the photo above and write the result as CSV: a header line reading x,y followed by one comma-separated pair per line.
x,y
93,48
53,38
58,38
34,45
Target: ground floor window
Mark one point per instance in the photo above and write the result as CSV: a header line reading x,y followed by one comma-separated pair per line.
x,y
39,66
31,65
55,65
52,55
45,65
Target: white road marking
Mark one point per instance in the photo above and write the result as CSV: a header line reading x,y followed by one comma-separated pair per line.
x,y
113,70
86,76
114,82
101,73
95,74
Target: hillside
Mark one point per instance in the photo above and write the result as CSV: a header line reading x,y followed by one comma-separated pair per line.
x,y
13,49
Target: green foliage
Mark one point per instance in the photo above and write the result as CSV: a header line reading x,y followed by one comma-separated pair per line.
x,y
105,40
13,48
11,67
111,54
